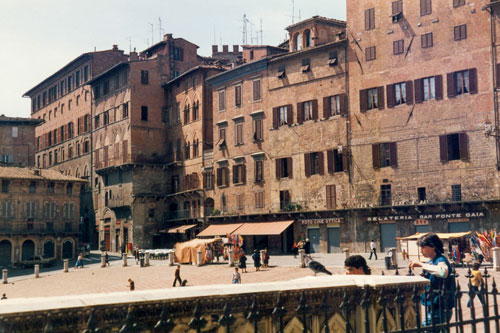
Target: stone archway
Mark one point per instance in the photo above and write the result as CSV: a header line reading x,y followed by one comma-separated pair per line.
x,y
28,249
5,252
67,249
49,249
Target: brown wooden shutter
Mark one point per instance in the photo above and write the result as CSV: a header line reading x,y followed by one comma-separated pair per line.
x,y
315,109
497,76
289,162
243,173
391,98
443,147
276,118
289,112
376,156
419,90
97,158
330,197
363,100
345,162
226,178
367,19
451,84
204,181
438,82
278,168
380,96
462,145
326,107
125,150
235,174
300,113
329,161
473,81
307,164
343,103
321,162
394,154
219,177
409,92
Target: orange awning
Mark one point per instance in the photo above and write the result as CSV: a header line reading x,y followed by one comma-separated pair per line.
x,y
220,229
263,228
180,229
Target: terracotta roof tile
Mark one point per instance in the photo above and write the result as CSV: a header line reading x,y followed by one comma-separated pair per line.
x,y
29,173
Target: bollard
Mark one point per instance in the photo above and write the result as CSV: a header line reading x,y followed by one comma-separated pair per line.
x,y
496,259
171,258
5,272
198,258
37,271
302,257
147,258
66,265
103,260
124,256
346,253
231,258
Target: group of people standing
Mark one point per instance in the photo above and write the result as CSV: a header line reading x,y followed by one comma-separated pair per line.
x,y
301,245
258,262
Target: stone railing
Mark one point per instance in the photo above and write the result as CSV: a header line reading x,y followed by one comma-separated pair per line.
x,y
342,303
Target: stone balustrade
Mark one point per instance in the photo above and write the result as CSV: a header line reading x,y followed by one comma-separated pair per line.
x,y
344,303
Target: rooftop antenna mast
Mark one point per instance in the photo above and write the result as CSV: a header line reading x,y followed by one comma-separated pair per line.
x,y
261,38
129,43
293,12
160,30
245,32
152,31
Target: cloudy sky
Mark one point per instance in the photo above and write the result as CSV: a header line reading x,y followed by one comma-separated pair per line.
x,y
38,37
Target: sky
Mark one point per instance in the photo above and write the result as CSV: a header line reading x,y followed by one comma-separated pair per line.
x,y
38,37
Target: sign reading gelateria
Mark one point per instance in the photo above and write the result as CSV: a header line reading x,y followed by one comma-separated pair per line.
x,y
323,221
434,216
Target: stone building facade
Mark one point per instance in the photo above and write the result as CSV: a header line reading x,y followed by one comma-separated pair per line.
x,y
17,141
39,214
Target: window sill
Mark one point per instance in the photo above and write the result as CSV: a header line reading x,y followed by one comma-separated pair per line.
x,y
223,186
239,184
239,144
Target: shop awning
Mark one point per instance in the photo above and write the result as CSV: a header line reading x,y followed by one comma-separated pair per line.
x,y
179,229
263,228
220,229
447,235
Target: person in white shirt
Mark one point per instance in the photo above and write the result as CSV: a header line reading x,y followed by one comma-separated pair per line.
x,y
373,247
236,276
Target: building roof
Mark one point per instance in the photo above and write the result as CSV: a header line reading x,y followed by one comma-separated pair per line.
x,y
306,50
317,19
160,43
19,120
263,47
31,174
192,70
109,70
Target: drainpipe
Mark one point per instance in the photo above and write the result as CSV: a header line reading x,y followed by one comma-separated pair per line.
x,y
493,72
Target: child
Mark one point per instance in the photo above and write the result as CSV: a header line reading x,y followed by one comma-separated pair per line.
x,y
236,276
475,282
131,284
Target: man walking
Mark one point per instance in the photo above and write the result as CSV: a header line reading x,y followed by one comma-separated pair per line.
x,y
373,247
177,276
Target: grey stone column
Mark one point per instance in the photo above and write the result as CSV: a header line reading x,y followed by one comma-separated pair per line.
x,y
124,257
171,257
5,272
103,260
66,265
198,258
147,255
37,271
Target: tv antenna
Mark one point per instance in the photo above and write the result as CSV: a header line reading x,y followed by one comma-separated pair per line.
x,y
160,30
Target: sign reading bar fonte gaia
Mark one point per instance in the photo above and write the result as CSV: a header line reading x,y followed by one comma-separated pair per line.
x,y
434,216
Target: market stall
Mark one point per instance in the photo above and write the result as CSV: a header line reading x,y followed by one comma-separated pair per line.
x,y
186,252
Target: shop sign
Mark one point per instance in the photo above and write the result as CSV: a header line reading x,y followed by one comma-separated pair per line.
x,y
323,221
433,216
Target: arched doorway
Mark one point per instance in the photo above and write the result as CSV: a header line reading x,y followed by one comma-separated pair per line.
x,y
5,253
49,249
28,249
67,249
209,206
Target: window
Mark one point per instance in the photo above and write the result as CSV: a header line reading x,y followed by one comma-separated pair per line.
x,y
144,77
284,168
313,163
297,41
164,115
186,114
453,147
174,183
222,100
32,188
105,88
67,227
5,186
178,54
384,155
460,32
50,188
125,110
458,3
259,199
281,72
425,7
385,195
105,119
284,199
333,58
97,122
256,90
239,174
238,133
151,212
398,46
307,38
68,211
429,88
400,93
369,99
195,148
49,226
7,209
426,40
240,201
421,194
6,158
462,82
69,189
208,180
337,161
307,111
334,105
86,73
196,107
258,130
222,176
456,192
14,131
370,19
222,137
144,113
282,115
259,170
178,112
237,95
397,11
306,65
331,197
370,53
186,151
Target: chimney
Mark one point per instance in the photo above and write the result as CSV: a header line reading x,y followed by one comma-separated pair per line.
x,y
215,49
133,56
167,36
225,48
115,47
236,48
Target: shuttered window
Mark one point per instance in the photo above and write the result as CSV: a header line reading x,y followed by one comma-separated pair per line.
x,y
222,100
259,170
400,93
238,129
453,147
331,197
239,174
371,99
258,134
426,40
460,32
240,201
307,111
425,7
336,161
222,176
259,199
462,82
237,95
256,90
398,46
314,164
370,19
284,168
334,105
428,88
370,53
384,155
458,3
282,115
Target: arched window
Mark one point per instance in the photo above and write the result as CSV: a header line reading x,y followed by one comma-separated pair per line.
x,y
307,38
297,42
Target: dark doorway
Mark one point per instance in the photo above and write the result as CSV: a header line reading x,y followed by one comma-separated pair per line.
x,y
67,249
49,249
28,249
5,253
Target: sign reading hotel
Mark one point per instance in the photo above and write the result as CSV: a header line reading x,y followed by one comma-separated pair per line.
x,y
323,221
435,216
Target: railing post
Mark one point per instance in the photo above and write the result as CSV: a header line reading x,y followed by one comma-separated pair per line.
x,y
198,258
231,258
171,258
5,272
37,271
66,265
124,258
103,260
346,253
302,257
496,259
147,258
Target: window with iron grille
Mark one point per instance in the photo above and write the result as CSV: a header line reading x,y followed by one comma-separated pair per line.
x,y
456,192
385,195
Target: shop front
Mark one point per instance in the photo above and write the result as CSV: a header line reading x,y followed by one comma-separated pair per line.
x,y
323,234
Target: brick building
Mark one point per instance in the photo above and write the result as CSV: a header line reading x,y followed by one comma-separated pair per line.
x,y
39,214
17,141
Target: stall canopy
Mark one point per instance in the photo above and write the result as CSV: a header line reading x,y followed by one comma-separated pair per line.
x,y
186,252
179,229
263,228
220,229
441,236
